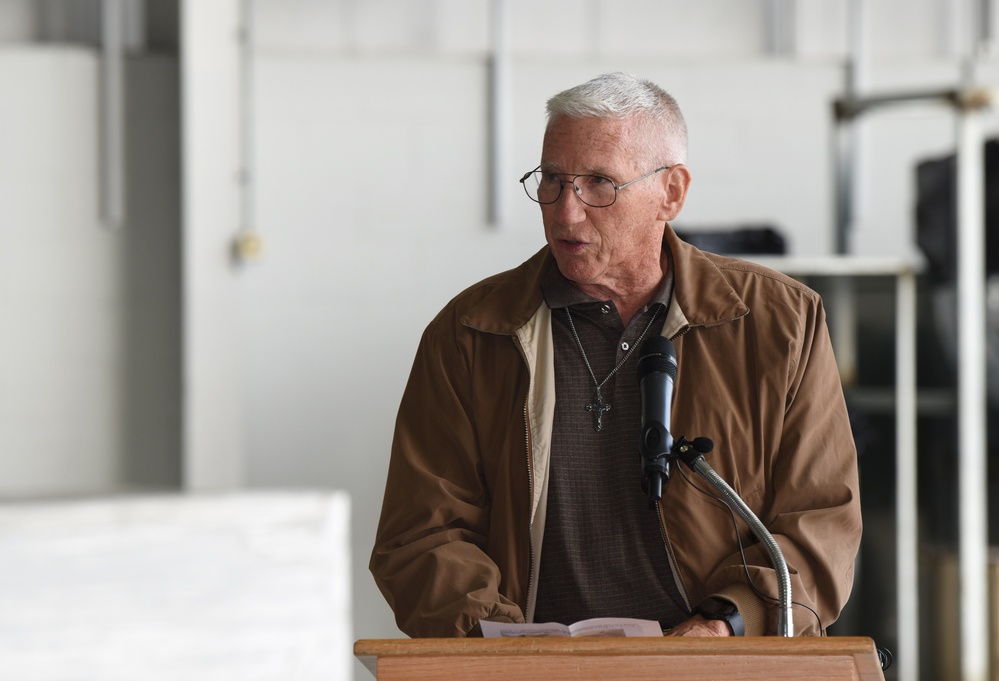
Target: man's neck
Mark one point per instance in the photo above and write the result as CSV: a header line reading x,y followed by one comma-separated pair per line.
x,y
631,297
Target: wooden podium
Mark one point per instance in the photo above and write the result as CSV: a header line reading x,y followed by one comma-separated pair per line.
x,y
632,659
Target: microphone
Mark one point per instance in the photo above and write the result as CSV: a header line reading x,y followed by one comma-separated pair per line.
x,y
657,369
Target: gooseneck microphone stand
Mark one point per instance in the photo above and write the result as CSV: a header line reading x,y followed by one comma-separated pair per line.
x,y
656,469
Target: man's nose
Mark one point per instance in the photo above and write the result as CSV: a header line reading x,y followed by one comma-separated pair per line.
x,y
570,208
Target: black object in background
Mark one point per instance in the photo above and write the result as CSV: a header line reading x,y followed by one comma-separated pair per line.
x,y
743,240
936,212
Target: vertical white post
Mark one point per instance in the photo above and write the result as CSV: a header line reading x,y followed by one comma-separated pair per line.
x,y
211,159
972,399
906,513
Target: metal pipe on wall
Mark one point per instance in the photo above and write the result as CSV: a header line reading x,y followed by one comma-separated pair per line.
x,y
499,117
112,125
780,26
246,126
247,244
984,24
846,176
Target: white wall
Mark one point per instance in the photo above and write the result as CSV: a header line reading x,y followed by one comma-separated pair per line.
x,y
89,316
60,282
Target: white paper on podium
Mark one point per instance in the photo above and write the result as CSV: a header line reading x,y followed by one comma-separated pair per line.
x,y
599,626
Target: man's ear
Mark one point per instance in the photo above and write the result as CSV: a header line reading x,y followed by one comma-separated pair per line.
x,y
676,181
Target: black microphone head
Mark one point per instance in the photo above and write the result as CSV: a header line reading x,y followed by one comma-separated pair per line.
x,y
657,354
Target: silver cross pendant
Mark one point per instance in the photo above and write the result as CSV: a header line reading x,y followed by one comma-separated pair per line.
x,y
598,407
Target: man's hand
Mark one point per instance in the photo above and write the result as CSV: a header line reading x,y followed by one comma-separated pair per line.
x,y
698,626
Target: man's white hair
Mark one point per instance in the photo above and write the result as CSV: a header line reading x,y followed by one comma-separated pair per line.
x,y
622,95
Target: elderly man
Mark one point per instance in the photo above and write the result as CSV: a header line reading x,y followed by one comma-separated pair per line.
x,y
513,490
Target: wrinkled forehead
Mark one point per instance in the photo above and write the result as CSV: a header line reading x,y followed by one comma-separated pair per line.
x,y
605,146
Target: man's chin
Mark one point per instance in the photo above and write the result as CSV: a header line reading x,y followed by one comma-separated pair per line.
x,y
576,272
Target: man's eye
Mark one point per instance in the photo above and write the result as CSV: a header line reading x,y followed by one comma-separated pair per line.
x,y
596,180
550,178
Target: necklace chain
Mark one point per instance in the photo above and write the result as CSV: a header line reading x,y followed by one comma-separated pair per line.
x,y
598,406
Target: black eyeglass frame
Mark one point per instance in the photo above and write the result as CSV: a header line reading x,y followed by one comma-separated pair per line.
x,y
571,178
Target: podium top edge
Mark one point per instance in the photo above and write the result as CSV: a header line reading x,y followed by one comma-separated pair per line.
x,y
748,645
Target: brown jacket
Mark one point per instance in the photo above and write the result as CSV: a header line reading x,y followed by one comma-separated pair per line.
x,y
463,516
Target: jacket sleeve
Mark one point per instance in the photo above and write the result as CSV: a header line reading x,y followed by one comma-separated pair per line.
x,y
813,508
429,558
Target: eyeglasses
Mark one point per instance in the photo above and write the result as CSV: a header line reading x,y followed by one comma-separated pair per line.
x,y
545,187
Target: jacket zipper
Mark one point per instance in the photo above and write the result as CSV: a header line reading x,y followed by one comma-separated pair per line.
x,y
530,526
530,483
677,577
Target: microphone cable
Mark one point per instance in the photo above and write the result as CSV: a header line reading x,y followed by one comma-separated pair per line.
x,y
885,657
742,552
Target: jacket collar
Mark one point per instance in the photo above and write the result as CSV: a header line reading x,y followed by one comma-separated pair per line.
x,y
702,294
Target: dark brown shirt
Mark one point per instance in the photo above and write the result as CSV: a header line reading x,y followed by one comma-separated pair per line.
x,y
603,554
